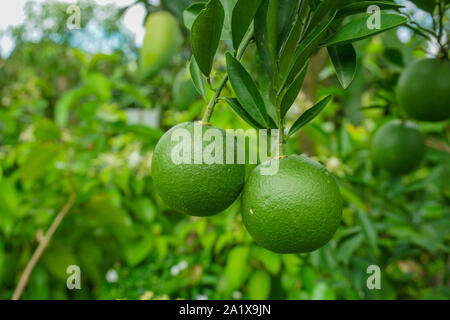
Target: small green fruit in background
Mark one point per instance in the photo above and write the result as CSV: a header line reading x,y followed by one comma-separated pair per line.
x,y
162,41
183,91
295,210
424,90
195,189
398,148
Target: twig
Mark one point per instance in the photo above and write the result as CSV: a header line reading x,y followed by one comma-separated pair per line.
x,y
41,247
438,145
223,82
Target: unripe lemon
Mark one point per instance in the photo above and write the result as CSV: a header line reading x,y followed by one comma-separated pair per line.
x,y
161,42
296,210
424,90
195,189
398,148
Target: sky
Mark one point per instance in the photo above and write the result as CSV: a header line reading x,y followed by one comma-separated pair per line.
x,y
12,14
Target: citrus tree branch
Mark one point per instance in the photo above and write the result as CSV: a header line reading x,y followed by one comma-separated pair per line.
x,y
435,144
223,82
41,247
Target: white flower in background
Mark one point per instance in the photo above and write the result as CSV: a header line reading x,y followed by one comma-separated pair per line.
x,y
134,159
112,276
236,295
201,297
333,163
182,265
174,271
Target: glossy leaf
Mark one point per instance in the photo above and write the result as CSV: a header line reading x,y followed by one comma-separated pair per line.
x,y
288,49
240,111
309,115
191,13
368,229
307,47
197,78
358,29
361,7
205,35
287,12
37,161
293,91
246,91
272,31
259,286
243,13
260,27
344,61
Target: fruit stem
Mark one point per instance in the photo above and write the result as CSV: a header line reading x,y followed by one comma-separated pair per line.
x,y
281,139
223,82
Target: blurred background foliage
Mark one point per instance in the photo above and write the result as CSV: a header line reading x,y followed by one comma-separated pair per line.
x,y
80,119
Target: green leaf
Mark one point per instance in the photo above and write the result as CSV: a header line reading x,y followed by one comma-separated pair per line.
x,y
288,48
39,158
361,7
272,31
236,106
205,35
260,29
243,13
66,102
309,115
246,91
191,13
344,61
368,229
348,247
57,258
134,92
236,267
259,286
270,260
427,5
306,48
287,14
197,78
293,91
357,29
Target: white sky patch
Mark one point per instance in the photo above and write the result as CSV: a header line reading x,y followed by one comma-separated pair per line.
x,y
12,14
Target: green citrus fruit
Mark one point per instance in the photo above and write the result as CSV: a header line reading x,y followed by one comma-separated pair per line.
x,y
161,42
398,148
194,187
183,91
424,90
296,210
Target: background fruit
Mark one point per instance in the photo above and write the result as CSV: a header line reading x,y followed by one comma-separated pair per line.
x,y
162,41
398,148
195,189
424,90
184,92
296,210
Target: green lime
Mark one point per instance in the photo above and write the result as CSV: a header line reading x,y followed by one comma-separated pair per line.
x,y
424,90
398,148
161,42
183,91
296,210
189,184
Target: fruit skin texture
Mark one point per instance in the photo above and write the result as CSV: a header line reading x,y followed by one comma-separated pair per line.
x,y
195,189
424,90
398,148
296,210
161,42
183,91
